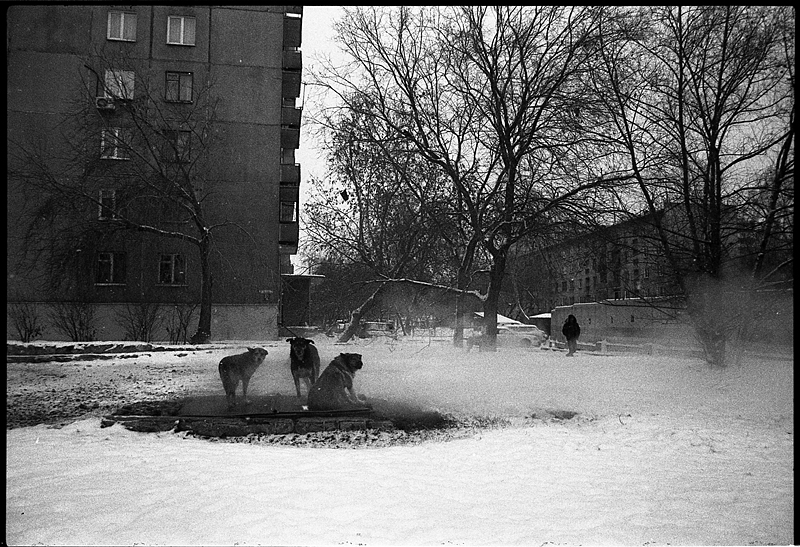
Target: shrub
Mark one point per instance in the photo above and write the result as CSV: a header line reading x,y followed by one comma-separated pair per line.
x,y
25,318
75,319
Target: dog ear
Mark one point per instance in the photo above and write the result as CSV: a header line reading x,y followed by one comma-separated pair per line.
x,y
310,341
289,339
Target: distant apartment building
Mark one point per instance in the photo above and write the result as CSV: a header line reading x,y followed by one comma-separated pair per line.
x,y
225,83
618,282
616,262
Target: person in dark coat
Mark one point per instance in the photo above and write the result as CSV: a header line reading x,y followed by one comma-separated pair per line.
x,y
571,330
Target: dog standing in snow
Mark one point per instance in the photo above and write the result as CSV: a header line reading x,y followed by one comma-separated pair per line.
x,y
304,359
236,368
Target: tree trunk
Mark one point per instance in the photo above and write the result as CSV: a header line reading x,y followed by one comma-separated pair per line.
x,y
458,328
708,310
203,333
462,282
489,341
356,314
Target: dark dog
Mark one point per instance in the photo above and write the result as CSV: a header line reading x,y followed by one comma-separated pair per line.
x,y
304,362
334,389
236,368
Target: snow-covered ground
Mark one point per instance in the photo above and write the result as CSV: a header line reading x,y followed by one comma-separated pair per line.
x,y
663,451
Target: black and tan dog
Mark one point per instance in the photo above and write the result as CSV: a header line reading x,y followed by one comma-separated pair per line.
x,y
334,390
304,359
236,368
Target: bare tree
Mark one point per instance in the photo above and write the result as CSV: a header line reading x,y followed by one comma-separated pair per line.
x,y
485,96
371,215
76,319
160,141
26,320
177,323
140,321
701,103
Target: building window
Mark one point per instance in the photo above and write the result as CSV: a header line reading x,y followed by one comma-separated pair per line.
x,y
121,26
114,144
179,87
110,269
172,270
118,84
178,145
287,213
180,30
107,205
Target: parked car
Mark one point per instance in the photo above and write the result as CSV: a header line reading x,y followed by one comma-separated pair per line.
x,y
513,335
520,336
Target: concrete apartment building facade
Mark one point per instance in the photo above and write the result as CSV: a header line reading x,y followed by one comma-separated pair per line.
x,y
241,66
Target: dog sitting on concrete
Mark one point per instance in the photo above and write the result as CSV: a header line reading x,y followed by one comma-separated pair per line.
x,y
334,390
236,368
304,359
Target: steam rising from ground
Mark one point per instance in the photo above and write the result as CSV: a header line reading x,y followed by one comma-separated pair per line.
x,y
429,380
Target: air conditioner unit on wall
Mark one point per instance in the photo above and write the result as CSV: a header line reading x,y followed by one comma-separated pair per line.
x,y
104,103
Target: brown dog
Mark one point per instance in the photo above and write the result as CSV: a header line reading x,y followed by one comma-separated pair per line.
x,y
304,359
235,368
334,389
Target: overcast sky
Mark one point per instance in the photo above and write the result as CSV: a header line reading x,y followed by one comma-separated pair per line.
x,y
317,40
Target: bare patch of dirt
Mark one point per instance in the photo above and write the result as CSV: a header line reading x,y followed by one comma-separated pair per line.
x,y
57,393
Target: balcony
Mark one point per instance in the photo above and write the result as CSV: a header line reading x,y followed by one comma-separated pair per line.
x,y
290,138
292,31
291,116
289,236
292,60
291,84
289,193
290,174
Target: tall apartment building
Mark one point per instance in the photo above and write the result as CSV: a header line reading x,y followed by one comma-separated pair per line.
x,y
205,95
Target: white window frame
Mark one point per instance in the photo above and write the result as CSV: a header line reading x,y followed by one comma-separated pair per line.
x,y
181,20
182,77
107,211
110,258
123,17
173,261
118,84
288,212
114,139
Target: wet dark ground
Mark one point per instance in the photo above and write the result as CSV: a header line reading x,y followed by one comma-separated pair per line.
x,y
403,416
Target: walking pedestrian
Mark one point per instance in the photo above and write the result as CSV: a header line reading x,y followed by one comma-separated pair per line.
x,y
571,331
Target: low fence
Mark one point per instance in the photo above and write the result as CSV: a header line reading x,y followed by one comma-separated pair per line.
x,y
604,347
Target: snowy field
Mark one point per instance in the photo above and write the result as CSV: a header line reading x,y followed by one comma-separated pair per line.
x,y
663,451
